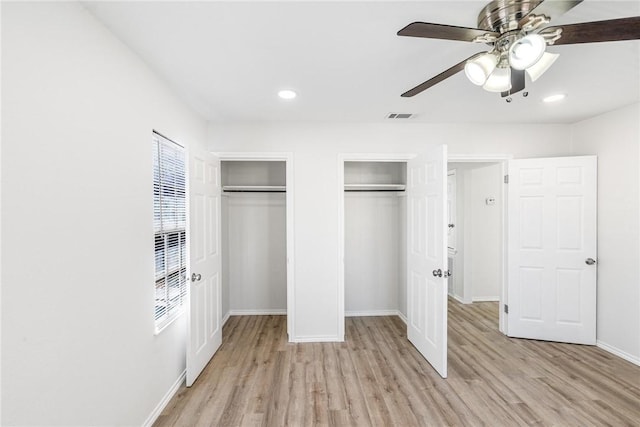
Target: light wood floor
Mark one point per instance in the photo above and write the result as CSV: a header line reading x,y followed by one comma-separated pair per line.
x,y
377,378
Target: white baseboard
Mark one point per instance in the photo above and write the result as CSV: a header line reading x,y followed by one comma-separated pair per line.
x,y
402,317
459,299
317,338
363,313
226,317
616,351
276,311
165,400
485,299
251,313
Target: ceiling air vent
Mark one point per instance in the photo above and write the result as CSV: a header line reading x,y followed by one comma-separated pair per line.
x,y
399,116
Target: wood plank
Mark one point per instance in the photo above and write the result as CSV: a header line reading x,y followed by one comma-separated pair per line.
x,y
377,378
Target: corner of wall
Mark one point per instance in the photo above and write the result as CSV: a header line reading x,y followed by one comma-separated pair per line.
x,y
153,416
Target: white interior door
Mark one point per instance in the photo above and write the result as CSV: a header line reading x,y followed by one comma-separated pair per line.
x,y
427,256
204,323
551,246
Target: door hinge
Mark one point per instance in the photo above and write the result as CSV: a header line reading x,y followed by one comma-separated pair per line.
x,y
506,308
506,179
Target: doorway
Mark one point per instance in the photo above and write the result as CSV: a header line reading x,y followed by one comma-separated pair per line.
x,y
477,231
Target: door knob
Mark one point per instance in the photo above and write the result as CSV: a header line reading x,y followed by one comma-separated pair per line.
x,y
590,261
437,273
195,277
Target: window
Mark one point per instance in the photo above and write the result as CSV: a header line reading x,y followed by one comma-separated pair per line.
x,y
169,224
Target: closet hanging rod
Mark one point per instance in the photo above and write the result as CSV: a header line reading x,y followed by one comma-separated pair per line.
x,y
373,191
374,187
254,189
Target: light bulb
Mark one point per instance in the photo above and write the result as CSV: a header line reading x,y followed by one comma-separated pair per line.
x,y
479,68
540,67
527,51
499,80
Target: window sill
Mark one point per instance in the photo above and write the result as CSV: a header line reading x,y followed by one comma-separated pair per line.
x,y
165,324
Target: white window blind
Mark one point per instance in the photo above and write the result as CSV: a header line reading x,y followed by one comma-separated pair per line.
x,y
169,223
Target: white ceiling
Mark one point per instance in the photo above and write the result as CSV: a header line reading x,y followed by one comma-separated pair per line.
x,y
227,60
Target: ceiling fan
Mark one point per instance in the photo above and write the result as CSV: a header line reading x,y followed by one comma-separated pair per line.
x,y
517,34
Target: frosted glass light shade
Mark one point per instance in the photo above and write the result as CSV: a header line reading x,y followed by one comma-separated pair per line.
x,y
499,80
479,68
527,51
540,67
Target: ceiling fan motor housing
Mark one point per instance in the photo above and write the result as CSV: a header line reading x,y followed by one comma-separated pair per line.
x,y
503,15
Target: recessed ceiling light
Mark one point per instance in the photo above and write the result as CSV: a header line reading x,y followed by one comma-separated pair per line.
x,y
554,98
287,94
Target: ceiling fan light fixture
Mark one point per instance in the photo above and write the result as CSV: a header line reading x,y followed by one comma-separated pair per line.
x,y
499,80
480,68
540,67
526,51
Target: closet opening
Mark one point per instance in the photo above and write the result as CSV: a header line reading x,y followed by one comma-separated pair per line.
x,y
255,237
374,211
476,248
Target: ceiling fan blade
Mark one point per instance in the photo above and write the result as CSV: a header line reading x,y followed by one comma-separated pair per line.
x,y
517,82
437,79
443,32
552,9
599,31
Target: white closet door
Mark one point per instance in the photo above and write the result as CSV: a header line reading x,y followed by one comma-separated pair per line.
x,y
426,256
204,323
552,249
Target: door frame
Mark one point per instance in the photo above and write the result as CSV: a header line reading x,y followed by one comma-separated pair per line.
x,y
503,160
354,157
286,157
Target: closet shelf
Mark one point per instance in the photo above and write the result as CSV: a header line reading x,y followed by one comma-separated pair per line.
x,y
374,187
254,188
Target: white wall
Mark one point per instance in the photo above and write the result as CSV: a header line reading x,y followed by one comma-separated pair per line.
x,y
77,316
255,252
478,262
1,275
615,138
316,147
486,232
458,257
372,259
78,108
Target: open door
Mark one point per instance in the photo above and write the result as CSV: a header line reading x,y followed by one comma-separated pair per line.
x,y
552,249
426,256
204,323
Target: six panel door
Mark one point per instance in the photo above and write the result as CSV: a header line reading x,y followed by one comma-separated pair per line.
x,y
552,249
